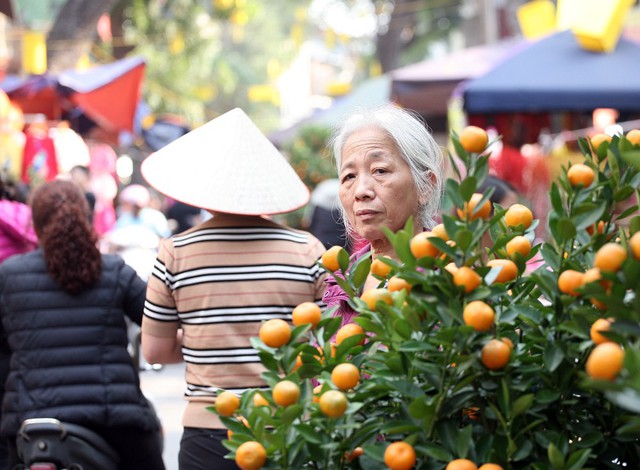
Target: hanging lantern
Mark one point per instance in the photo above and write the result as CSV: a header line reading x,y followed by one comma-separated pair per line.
x,y
598,25
262,94
537,18
566,13
34,52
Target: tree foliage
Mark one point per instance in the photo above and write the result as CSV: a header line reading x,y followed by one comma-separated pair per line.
x,y
203,56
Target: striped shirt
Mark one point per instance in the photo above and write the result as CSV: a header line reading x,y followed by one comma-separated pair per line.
x,y
218,282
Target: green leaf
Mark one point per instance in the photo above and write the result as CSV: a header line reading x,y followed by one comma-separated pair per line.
x,y
291,412
551,256
482,167
530,313
628,399
447,431
376,452
591,439
308,433
521,405
623,193
451,225
453,191
401,245
632,157
508,315
462,441
419,408
468,187
553,357
524,449
504,397
399,427
578,459
546,396
463,238
343,260
433,451
555,457
408,389
634,224
588,214
414,346
631,428
556,199
565,228
360,273
268,360
460,151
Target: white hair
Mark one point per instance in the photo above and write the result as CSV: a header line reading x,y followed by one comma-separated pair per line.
x,y
417,147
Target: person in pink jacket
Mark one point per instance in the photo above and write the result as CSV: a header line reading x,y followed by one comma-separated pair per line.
x,y
16,232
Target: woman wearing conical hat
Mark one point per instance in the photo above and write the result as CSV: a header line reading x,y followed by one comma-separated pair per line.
x,y
213,285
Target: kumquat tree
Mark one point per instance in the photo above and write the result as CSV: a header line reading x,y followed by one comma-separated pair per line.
x,y
469,355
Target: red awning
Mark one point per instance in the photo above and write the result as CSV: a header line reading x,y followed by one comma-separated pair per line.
x,y
107,94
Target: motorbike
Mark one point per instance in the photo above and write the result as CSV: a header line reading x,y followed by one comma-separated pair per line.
x,y
49,444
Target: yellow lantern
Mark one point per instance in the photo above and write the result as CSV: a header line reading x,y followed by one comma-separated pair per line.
x,y
338,88
537,18
34,52
262,93
566,13
598,25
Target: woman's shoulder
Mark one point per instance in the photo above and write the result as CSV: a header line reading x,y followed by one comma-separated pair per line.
x,y
113,262
23,262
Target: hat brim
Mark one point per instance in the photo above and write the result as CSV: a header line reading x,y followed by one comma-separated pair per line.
x,y
227,165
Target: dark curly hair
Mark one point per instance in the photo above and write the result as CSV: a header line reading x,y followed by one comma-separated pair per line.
x,y
59,211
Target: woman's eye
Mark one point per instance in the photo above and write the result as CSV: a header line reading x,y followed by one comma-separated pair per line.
x,y
347,177
380,171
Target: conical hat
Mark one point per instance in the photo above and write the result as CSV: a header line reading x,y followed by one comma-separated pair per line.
x,y
227,165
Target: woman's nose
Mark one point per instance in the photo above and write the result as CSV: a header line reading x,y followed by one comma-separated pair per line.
x,y
364,188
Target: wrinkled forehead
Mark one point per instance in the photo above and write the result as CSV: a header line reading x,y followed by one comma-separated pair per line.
x,y
370,142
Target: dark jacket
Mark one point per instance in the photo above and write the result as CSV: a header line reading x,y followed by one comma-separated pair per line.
x,y
69,353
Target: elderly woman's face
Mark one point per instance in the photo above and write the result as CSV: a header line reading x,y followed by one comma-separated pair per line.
x,y
376,185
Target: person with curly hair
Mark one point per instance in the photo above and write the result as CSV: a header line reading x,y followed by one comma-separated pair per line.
x,y
63,309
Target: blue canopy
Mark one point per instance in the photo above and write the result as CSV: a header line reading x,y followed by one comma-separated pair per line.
x,y
557,74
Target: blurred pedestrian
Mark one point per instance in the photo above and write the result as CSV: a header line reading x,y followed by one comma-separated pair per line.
x,y
63,309
182,216
214,284
81,175
323,217
16,231
16,236
503,194
135,209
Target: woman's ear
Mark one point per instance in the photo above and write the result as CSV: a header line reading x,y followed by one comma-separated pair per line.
x,y
424,197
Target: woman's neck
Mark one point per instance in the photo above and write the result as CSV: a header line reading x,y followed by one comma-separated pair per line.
x,y
380,248
383,247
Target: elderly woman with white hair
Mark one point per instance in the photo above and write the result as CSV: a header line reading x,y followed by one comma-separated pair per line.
x,y
390,169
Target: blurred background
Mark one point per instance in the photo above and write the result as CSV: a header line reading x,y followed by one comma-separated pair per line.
x,y
111,81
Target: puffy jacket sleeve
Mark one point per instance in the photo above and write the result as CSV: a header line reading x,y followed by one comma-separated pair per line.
x,y
134,293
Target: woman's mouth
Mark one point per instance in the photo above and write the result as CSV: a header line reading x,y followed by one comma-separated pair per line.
x,y
365,214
